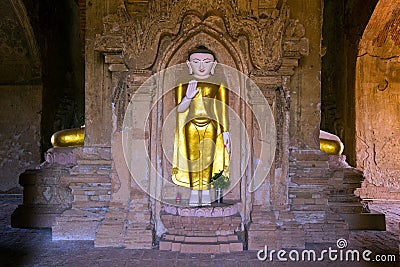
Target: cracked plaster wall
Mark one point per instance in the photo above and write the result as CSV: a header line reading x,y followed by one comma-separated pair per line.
x,y
20,95
377,103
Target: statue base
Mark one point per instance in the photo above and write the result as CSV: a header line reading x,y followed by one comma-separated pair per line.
x,y
215,210
212,229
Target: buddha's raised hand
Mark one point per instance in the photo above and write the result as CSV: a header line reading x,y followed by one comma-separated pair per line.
x,y
191,89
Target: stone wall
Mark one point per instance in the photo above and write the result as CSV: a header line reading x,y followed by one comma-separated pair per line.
x,y
364,114
42,79
90,180
56,26
271,45
305,93
377,104
20,132
20,95
343,25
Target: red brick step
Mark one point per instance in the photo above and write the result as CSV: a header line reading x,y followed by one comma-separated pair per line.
x,y
201,244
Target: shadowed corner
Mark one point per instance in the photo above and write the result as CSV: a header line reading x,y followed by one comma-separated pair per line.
x,y
13,256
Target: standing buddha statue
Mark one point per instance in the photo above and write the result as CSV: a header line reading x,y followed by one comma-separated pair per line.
x,y
202,142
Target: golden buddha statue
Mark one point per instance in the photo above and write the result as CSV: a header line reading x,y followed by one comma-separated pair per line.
x,y
69,137
330,143
202,142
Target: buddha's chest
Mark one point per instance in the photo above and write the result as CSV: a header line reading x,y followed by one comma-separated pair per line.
x,y
207,90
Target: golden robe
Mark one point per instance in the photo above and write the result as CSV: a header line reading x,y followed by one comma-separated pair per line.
x,y
199,151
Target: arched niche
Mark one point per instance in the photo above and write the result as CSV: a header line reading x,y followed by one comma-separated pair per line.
x,y
136,47
227,54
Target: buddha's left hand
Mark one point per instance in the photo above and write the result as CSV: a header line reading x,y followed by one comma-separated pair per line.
x,y
227,141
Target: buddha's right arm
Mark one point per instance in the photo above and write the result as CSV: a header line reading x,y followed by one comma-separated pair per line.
x,y
184,105
182,101
179,98
191,91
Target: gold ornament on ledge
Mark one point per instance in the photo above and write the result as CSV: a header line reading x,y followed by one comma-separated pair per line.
x,y
330,143
69,137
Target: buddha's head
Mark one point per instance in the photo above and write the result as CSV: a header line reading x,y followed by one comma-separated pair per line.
x,y
201,62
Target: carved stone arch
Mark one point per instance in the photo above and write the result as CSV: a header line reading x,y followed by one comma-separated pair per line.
x,y
175,48
227,53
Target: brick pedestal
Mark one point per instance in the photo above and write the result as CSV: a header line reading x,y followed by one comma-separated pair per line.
x,y
275,229
195,233
313,182
90,187
44,197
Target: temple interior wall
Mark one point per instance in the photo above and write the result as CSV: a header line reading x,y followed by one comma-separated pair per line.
x,y
41,78
278,44
20,96
56,89
343,26
359,65
20,144
305,94
377,104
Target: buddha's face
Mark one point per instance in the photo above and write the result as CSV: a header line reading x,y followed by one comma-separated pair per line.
x,y
201,65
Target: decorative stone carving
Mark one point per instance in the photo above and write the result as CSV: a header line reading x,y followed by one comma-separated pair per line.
x,y
138,37
219,211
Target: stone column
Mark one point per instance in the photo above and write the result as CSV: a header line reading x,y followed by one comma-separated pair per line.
x,y
306,82
89,180
127,220
97,87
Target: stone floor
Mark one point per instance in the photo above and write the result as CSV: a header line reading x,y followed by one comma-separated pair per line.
x,y
33,247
